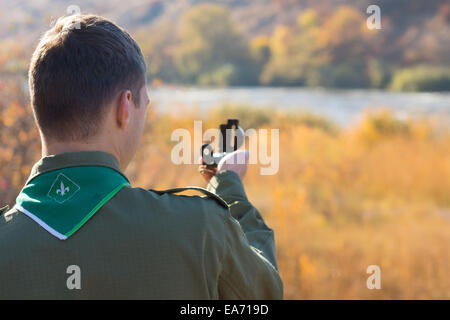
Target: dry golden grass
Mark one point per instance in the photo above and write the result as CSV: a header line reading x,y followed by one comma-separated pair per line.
x,y
375,194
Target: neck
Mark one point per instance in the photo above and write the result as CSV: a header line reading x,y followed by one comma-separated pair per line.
x,y
54,147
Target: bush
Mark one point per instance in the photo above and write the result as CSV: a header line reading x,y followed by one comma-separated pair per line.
x,y
421,78
257,117
221,76
380,125
340,76
249,116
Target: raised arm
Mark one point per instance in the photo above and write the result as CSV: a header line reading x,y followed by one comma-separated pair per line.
x,y
250,268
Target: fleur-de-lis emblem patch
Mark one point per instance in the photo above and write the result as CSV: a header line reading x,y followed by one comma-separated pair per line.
x,y
62,189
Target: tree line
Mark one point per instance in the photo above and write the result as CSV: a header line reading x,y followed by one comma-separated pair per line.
x,y
336,49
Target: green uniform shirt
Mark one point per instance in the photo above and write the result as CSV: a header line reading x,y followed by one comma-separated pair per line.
x,y
144,244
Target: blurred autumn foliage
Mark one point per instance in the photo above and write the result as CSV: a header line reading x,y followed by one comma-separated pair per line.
x,y
344,198
268,42
331,47
19,139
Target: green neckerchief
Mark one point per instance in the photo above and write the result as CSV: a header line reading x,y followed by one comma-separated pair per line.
x,y
62,200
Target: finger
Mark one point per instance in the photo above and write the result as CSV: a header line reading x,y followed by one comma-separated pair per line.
x,y
206,176
204,170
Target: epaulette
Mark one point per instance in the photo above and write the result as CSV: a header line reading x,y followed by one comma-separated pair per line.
x,y
209,194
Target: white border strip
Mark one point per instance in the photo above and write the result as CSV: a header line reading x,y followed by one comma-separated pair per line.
x,y
40,222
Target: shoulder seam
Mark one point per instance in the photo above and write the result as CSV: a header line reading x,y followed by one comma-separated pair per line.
x,y
209,194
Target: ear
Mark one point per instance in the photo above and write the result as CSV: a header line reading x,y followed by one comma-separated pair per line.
x,y
124,105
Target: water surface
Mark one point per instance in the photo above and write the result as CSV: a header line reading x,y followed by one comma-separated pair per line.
x,y
342,106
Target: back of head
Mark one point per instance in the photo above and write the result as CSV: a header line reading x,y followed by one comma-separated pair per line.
x,y
78,67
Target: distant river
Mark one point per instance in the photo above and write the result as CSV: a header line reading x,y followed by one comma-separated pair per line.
x,y
342,106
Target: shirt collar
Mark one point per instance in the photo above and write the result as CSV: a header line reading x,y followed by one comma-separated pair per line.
x,y
74,159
